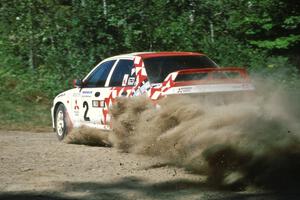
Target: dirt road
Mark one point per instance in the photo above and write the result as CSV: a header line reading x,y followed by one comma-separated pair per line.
x,y
37,166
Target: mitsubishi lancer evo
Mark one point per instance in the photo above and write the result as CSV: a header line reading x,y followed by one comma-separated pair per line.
x,y
154,74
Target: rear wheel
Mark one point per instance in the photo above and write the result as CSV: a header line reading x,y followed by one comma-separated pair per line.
x,y
61,122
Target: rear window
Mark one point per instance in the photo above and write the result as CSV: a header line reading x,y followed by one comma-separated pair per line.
x,y
158,68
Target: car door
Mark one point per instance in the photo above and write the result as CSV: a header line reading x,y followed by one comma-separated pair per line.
x,y
93,93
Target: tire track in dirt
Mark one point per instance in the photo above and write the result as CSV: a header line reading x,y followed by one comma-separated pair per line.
x,y
37,166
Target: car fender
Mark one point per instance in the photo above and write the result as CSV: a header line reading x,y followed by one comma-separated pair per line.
x,y
69,100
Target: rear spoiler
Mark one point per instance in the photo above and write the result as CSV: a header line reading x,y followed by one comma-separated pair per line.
x,y
209,76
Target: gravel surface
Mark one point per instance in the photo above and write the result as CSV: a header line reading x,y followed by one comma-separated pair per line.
x,y
38,166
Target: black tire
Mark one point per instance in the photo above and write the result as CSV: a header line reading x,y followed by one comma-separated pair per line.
x,y
62,122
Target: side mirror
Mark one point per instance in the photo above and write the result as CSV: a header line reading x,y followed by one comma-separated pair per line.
x,y
77,83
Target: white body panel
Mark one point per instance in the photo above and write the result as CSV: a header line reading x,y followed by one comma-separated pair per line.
x,y
210,88
79,101
89,105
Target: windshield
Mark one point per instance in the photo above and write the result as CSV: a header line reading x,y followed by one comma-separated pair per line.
x,y
158,68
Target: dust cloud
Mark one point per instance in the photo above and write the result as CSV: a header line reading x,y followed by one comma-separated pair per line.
x,y
88,136
240,142
237,142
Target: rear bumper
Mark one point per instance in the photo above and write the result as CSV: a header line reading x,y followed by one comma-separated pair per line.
x,y
218,98
211,89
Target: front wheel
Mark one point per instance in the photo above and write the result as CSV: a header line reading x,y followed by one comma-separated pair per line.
x,y
61,122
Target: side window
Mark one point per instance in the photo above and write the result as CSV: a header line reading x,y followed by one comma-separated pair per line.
x,y
99,76
124,74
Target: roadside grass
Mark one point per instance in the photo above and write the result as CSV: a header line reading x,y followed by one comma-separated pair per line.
x,y
19,114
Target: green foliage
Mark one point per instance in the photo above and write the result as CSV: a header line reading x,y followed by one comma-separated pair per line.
x,y
281,71
44,44
278,43
18,114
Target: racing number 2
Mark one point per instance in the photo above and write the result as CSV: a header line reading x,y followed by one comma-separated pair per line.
x,y
85,117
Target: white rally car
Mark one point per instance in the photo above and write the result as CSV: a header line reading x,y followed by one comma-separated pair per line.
x,y
155,74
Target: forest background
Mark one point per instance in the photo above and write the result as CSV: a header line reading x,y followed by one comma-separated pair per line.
x,y
45,44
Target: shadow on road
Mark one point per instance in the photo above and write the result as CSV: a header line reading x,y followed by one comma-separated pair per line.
x,y
31,196
134,188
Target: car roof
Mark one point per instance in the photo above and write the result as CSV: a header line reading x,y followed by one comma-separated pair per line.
x,y
157,54
171,53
